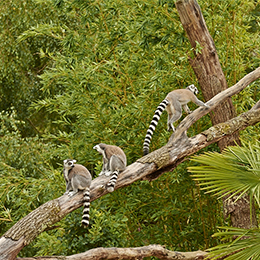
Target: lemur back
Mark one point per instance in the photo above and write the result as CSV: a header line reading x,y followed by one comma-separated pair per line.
x,y
114,162
173,104
78,178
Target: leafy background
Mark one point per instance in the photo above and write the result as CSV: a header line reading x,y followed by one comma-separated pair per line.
x,y
76,73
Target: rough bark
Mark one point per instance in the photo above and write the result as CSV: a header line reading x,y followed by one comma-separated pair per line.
x,y
206,63
127,253
239,211
207,68
148,167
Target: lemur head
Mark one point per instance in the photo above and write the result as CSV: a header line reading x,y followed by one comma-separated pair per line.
x,y
193,89
68,163
100,148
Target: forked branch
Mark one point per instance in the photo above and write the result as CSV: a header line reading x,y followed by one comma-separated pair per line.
x,y
148,167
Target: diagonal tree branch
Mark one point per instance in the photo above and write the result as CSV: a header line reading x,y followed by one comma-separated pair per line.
x,y
148,167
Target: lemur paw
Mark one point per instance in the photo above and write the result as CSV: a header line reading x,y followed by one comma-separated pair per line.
x,y
171,129
108,173
72,193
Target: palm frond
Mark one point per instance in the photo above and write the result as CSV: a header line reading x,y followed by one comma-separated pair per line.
x,y
239,248
234,172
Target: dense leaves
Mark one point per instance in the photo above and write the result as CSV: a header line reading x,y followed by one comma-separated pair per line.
x,y
76,73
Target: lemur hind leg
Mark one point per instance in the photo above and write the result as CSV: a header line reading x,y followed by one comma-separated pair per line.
x,y
116,166
174,113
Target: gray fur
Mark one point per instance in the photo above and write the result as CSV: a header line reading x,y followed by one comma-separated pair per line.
x,y
78,178
173,104
114,162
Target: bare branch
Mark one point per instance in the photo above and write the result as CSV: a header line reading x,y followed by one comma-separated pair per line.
x,y
148,167
127,253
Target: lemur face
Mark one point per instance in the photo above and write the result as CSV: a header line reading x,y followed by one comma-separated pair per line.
x,y
68,163
193,89
100,148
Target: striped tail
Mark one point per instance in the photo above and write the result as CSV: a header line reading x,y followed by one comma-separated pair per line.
x,y
154,122
112,182
86,204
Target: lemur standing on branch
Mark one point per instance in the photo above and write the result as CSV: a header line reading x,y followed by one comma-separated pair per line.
x,y
173,104
114,162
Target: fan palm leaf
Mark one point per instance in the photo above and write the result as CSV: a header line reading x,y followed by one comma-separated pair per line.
x,y
236,247
235,171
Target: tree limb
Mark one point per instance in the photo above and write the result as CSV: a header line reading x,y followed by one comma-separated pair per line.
x,y
127,253
175,152
148,167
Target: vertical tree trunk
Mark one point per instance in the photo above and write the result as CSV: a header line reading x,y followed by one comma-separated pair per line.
x,y
207,68
206,63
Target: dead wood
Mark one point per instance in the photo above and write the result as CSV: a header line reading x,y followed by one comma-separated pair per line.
x,y
127,253
148,167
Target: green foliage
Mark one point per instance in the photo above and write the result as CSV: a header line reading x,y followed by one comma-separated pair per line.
x,y
245,248
235,171
20,61
70,238
229,27
170,211
28,177
105,230
82,72
49,243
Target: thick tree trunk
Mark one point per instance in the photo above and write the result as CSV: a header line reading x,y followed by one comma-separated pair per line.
x,y
206,63
148,167
208,70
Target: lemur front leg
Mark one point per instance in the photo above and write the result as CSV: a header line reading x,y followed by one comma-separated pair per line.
x,y
186,109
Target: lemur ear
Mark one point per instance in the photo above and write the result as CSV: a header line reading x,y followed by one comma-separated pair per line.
x,y
74,161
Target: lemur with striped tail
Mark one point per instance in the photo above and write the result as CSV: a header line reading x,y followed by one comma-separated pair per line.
x,y
173,104
114,162
77,178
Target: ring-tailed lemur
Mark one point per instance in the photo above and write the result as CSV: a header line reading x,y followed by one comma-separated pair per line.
x,y
114,162
173,104
77,178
